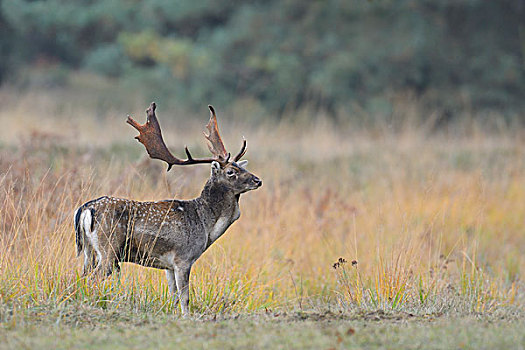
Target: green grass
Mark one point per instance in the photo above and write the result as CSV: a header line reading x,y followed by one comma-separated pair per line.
x,y
373,330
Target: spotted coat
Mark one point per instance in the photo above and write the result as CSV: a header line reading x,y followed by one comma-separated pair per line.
x,y
168,234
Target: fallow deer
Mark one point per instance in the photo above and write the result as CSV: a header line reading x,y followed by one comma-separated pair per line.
x,y
169,234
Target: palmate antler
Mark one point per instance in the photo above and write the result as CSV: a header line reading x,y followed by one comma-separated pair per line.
x,y
215,144
150,136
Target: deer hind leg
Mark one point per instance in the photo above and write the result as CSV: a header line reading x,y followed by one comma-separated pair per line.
x,y
109,257
105,266
89,260
106,260
96,255
92,253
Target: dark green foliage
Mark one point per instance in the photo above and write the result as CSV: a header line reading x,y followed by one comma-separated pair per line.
x,y
107,59
332,55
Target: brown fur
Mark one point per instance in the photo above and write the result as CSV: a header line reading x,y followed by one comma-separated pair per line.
x,y
169,234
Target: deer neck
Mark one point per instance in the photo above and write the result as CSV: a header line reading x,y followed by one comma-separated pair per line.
x,y
220,208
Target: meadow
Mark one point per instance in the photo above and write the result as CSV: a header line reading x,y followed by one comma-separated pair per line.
x,y
395,226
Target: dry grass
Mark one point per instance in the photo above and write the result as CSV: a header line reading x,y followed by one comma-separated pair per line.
x,y
426,224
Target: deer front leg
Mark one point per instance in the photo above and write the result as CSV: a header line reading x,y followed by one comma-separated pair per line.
x,y
182,278
172,285
170,276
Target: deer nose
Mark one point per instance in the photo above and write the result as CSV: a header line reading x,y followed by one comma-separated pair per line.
x,y
257,181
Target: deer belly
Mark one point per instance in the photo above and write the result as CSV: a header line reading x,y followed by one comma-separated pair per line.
x,y
149,251
149,259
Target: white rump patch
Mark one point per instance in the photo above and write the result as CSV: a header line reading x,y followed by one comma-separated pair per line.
x,y
86,219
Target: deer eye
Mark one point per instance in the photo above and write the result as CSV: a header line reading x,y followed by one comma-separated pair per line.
x,y
230,172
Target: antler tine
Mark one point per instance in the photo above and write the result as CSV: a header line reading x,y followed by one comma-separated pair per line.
x,y
242,151
150,136
215,144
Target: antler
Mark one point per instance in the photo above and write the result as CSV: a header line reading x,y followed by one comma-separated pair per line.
x,y
241,152
215,144
150,136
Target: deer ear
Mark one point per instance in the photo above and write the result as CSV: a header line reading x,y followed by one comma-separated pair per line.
x,y
215,168
242,164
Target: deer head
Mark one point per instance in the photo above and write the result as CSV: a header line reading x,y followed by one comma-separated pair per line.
x,y
225,170
235,176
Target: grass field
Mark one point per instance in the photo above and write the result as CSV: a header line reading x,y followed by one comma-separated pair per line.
x,y
406,235
270,332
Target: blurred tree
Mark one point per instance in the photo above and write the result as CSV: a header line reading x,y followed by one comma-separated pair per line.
x,y
6,47
327,54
